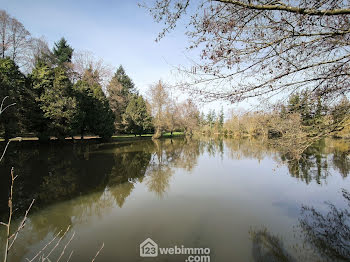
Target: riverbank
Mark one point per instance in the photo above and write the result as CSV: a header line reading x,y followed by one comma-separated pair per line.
x,y
121,137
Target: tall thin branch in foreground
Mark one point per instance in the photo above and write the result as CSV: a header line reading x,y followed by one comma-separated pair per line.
x,y
98,252
10,238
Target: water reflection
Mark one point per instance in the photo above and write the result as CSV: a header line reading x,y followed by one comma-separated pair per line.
x,y
325,233
74,184
51,173
268,248
328,231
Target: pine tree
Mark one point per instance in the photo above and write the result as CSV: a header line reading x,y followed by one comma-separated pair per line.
x,y
41,79
125,81
120,89
12,85
221,119
95,115
59,105
137,119
62,52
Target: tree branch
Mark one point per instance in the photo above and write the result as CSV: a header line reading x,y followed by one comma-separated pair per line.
x,y
286,8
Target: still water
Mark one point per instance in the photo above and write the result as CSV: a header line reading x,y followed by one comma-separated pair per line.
x,y
241,198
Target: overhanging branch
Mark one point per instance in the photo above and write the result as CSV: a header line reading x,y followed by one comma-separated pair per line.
x,y
286,8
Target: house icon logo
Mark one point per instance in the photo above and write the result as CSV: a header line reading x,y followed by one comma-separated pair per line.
x,y
148,248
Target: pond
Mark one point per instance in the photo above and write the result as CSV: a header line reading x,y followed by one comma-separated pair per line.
x,y
241,199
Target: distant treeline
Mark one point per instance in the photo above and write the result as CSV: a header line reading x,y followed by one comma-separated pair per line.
x,y
300,116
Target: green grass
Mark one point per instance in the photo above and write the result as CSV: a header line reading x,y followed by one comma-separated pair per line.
x,y
174,134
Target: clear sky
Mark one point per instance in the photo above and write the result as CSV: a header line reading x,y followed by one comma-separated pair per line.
x,y
119,32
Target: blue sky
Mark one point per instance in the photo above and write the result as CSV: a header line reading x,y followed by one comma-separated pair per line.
x,y
119,32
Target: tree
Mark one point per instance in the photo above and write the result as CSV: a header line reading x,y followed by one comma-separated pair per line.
x,y
85,98
4,23
189,116
220,120
62,52
119,90
12,85
211,118
94,113
159,98
14,38
137,119
103,118
260,48
38,51
85,60
172,116
41,79
125,81
58,103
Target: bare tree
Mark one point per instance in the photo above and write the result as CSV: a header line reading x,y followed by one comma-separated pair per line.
x,y
172,116
256,48
38,49
189,116
19,39
159,99
15,39
85,60
4,28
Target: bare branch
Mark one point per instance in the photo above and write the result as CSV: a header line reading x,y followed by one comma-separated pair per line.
x,y
3,153
21,225
64,249
286,8
98,252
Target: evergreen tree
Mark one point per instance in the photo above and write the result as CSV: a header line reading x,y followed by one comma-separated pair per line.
x,y
103,117
95,115
85,99
305,108
294,103
211,118
137,119
62,52
125,81
41,79
120,89
221,119
59,105
13,85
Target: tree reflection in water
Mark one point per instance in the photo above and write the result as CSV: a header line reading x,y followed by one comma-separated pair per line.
x,y
99,177
328,233
326,236
268,248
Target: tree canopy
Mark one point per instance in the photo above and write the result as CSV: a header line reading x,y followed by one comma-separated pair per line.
x,y
255,48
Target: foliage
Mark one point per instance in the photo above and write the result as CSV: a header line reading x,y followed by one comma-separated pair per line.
x,y
137,119
120,89
62,52
13,85
59,106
